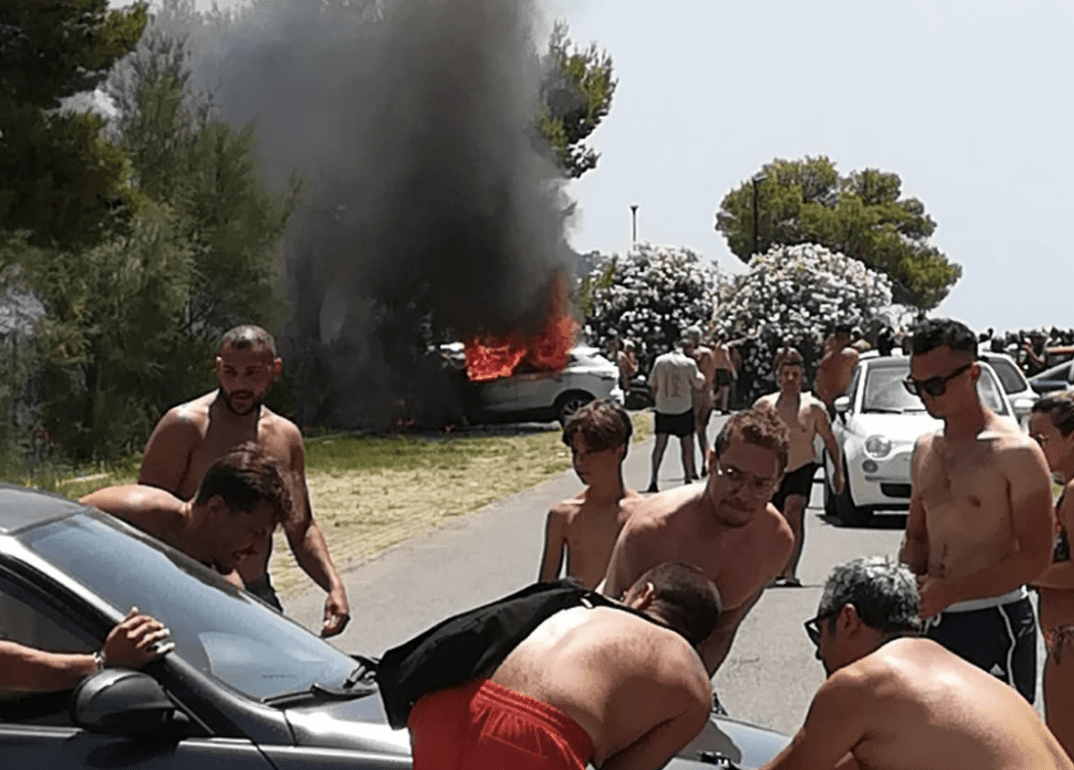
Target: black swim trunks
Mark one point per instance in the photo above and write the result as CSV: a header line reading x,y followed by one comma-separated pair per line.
x,y
682,424
723,378
1000,639
796,482
263,590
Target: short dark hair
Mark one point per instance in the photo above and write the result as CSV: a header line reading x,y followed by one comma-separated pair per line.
x,y
883,592
788,356
842,328
247,336
1060,408
602,424
760,425
932,333
684,598
245,477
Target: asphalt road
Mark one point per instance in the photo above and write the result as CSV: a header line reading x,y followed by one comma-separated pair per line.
x,y
770,675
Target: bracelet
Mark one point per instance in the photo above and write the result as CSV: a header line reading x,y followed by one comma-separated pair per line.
x,y
98,658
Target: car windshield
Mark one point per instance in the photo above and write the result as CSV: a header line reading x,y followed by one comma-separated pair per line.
x,y
216,628
885,392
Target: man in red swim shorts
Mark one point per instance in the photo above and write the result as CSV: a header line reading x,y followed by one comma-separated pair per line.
x,y
616,686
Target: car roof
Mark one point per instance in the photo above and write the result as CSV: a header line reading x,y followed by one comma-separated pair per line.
x,y
22,508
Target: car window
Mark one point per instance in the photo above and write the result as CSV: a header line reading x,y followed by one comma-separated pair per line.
x,y
216,628
852,388
885,392
1009,376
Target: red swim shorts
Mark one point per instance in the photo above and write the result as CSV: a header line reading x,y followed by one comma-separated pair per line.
x,y
487,727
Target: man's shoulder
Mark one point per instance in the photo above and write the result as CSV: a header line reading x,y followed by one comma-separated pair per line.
x,y
566,509
773,526
279,424
192,413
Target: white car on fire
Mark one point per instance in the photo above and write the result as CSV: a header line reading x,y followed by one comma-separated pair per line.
x,y
876,425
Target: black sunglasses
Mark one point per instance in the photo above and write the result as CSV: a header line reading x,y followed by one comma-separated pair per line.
x,y
812,626
934,386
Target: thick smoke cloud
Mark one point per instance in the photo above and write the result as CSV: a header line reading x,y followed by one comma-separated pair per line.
x,y
410,123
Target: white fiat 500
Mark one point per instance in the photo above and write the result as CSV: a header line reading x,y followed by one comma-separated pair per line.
x,y
876,425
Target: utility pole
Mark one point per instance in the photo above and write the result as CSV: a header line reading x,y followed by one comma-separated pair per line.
x,y
633,224
757,179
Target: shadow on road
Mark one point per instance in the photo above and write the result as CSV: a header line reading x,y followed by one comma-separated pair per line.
x,y
880,521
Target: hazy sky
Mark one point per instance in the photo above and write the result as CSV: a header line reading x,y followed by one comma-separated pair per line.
x,y
968,101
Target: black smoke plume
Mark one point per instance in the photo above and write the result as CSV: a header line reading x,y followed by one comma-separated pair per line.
x,y
428,210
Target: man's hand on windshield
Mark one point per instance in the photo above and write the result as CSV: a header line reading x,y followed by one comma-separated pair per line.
x,y
337,613
137,640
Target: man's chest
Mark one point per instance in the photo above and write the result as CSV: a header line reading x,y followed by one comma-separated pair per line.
x,y
216,441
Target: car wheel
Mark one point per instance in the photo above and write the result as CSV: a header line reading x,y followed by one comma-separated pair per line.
x,y
569,403
845,511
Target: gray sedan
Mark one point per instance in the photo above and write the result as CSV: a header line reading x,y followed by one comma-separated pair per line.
x,y
245,687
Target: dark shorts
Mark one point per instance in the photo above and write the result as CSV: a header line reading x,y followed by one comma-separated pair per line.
x,y
263,590
683,424
723,378
796,482
1001,640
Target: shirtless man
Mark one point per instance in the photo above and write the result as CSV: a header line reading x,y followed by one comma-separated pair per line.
x,y
805,418
593,685
725,374
702,397
726,527
243,495
190,436
893,701
586,526
622,355
980,522
836,365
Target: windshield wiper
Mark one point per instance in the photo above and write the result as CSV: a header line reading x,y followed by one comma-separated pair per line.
x,y
360,682
365,672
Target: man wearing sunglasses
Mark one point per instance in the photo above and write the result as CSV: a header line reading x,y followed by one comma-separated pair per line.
x,y
893,700
726,527
980,521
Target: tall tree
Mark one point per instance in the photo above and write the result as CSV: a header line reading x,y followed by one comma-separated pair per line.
x,y
861,215
576,95
60,180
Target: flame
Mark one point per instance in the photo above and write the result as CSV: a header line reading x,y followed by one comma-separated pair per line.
x,y
490,358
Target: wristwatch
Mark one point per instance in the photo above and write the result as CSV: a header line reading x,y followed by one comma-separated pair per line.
x,y
98,658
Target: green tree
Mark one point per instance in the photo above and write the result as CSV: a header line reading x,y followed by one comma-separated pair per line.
x,y
59,179
861,215
576,95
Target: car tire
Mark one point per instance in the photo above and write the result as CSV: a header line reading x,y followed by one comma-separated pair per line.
x,y
571,402
845,511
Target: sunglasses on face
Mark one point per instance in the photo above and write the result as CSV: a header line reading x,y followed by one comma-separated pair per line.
x,y
934,386
812,627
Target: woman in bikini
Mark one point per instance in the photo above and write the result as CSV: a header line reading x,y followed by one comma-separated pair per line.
x,y
1052,425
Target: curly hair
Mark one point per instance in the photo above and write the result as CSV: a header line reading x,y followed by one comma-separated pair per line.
x,y
246,476
760,425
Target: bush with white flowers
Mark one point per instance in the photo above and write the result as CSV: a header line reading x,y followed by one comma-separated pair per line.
x,y
794,294
649,296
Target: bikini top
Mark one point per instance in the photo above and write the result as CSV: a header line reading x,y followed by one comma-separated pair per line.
x,y
1061,549
474,643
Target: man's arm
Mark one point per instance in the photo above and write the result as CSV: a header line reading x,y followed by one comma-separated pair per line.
x,y
835,724
915,544
654,379
1030,489
310,549
622,567
1061,573
134,504
715,649
555,538
824,428
168,451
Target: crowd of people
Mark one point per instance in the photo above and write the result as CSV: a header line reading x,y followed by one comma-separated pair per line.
x,y
930,658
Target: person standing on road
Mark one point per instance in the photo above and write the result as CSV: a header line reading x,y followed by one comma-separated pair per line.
x,y
597,682
586,526
726,372
726,527
674,378
190,436
622,355
980,523
893,701
1051,423
805,418
836,365
702,397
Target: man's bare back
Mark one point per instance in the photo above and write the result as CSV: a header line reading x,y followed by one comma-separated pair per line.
x,y
154,511
656,674
833,373
587,528
912,705
803,417
741,561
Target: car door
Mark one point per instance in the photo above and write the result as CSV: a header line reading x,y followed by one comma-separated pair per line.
x,y
36,730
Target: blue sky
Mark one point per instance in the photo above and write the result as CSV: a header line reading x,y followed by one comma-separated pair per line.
x,y
969,101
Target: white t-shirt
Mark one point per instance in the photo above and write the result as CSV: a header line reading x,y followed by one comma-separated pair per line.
x,y
673,379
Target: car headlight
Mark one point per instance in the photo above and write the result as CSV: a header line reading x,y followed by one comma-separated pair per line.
x,y
878,446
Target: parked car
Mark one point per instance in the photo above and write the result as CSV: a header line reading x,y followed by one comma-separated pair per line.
x,y
1015,385
538,395
876,425
1056,379
245,688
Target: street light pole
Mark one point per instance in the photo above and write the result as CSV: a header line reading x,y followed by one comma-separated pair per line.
x,y
634,224
756,180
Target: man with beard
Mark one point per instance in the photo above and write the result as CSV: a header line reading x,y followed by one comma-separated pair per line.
x,y
727,527
191,436
893,701
980,521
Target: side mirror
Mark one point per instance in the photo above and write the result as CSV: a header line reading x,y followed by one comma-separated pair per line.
x,y
842,404
126,703
1022,405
